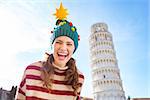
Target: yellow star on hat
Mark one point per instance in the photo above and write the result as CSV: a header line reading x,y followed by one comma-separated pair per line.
x,y
61,13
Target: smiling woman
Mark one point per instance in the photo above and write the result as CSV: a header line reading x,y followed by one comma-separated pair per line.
x,y
58,77
63,50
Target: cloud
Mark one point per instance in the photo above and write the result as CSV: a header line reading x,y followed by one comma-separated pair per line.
x,y
20,31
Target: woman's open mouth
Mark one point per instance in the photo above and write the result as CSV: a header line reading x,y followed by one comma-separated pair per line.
x,y
62,56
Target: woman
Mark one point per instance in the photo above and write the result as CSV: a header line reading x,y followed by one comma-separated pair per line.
x,y
57,78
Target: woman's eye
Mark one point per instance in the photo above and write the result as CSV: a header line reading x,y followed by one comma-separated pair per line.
x,y
58,42
69,44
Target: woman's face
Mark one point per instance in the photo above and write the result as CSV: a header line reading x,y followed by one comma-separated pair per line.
x,y
63,50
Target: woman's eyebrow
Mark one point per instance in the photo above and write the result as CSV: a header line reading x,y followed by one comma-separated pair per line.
x,y
59,40
68,42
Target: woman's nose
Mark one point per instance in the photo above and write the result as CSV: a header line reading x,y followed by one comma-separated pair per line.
x,y
64,46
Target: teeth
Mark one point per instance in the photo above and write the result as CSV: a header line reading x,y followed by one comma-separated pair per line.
x,y
62,54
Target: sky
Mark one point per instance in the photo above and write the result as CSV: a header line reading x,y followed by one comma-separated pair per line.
x,y
25,27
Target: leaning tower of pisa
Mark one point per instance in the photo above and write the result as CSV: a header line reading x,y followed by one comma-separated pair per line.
x,y
107,83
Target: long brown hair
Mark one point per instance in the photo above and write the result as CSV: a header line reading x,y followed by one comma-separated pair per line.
x,y
71,77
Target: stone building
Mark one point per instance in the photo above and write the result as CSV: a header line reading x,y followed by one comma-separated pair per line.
x,y
107,83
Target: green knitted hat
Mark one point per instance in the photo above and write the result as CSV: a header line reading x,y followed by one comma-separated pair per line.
x,y
65,28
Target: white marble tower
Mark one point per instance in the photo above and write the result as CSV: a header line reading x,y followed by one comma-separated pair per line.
x,y
107,84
